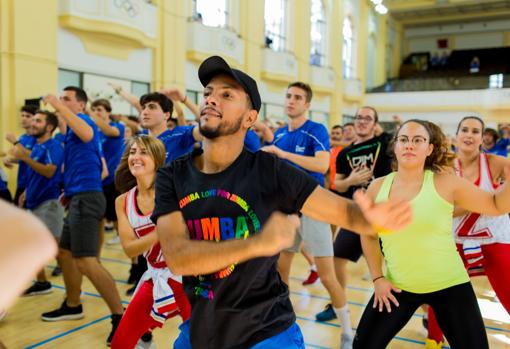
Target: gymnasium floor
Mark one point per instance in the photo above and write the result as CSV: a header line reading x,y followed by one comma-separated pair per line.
x,y
23,329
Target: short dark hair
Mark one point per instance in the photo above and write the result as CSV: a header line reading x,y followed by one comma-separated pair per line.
x,y
102,103
31,109
493,132
164,102
51,118
81,95
305,87
349,124
376,116
337,126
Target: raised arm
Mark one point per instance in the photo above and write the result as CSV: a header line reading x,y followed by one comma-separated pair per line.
x,y
104,126
128,97
317,163
22,154
132,245
362,216
82,130
472,198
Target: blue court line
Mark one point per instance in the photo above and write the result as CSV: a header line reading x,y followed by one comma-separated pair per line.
x,y
106,317
113,260
354,328
63,334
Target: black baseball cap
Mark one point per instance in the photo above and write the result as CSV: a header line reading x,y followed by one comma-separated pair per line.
x,y
216,65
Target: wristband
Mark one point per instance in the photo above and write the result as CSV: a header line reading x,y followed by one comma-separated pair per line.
x,y
377,278
381,230
16,142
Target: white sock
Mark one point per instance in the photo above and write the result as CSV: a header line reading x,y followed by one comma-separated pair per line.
x,y
344,316
313,267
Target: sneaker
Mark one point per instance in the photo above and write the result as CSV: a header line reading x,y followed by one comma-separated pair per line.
x,y
432,344
108,226
114,241
346,342
327,314
115,323
56,271
311,278
146,342
39,287
65,312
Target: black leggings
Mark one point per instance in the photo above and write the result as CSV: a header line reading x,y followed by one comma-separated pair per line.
x,y
456,311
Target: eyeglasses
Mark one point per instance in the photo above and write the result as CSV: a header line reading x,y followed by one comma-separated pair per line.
x,y
416,140
361,118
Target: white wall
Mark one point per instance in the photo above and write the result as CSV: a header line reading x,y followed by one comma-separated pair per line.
x,y
460,36
71,54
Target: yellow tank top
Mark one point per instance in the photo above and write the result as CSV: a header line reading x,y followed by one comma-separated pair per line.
x,y
423,258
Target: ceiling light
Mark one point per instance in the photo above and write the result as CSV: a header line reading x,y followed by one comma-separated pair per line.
x,y
381,9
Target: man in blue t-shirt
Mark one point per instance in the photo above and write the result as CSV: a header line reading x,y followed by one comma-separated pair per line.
x,y
79,243
27,141
43,182
156,109
304,144
112,142
493,144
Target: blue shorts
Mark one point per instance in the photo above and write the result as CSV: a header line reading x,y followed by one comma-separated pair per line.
x,y
292,338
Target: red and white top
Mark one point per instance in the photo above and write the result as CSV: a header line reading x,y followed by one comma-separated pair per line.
x,y
473,228
164,305
142,225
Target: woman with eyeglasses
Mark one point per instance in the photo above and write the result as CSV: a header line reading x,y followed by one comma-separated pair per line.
x,y
423,266
159,294
483,242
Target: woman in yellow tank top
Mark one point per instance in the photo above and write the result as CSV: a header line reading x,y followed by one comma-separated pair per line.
x,y
423,266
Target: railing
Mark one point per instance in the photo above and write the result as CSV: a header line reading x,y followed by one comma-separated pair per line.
x,y
445,83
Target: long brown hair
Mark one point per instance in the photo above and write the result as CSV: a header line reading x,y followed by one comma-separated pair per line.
x,y
441,158
124,180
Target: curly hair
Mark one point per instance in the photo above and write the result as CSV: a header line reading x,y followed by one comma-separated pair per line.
x,y
124,179
441,157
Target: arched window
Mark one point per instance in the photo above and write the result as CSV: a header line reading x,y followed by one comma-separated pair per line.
x,y
212,13
318,34
348,49
274,17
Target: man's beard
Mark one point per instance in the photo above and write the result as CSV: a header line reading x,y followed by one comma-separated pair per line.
x,y
223,129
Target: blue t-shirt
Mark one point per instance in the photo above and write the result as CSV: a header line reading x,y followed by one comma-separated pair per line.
x,y
252,141
500,148
82,161
178,142
310,138
28,142
40,188
112,150
60,137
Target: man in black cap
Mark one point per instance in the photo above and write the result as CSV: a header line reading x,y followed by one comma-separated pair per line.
x,y
223,214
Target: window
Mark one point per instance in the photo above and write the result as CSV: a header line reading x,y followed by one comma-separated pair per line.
x,y
347,52
496,81
274,16
69,78
212,13
318,34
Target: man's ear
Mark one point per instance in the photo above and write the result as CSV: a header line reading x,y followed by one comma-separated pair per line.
x,y
251,117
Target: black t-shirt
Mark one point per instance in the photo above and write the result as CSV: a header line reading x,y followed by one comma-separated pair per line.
x,y
245,303
372,153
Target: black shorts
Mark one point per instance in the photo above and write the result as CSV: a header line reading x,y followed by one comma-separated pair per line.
x,y
347,245
80,234
110,194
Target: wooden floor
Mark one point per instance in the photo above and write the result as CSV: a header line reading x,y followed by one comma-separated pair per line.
x,y
22,328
